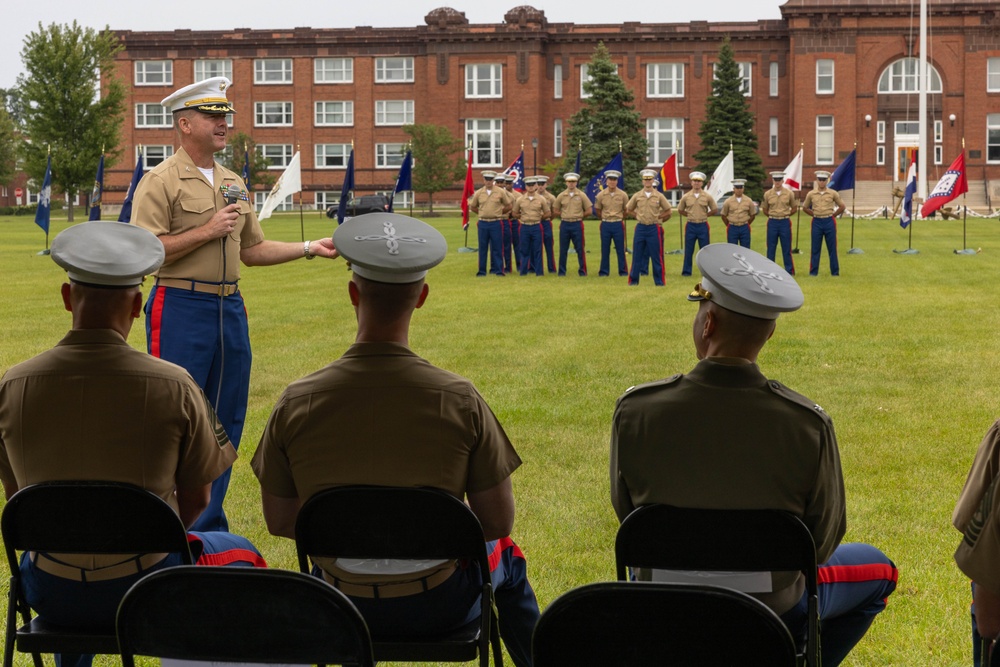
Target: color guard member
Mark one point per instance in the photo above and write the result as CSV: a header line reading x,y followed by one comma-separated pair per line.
x,y
572,206
738,212
548,235
779,203
610,208
490,203
531,208
651,209
698,206
824,205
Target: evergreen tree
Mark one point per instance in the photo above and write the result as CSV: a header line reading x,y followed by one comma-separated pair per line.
x,y
71,103
8,147
728,122
605,120
438,159
242,146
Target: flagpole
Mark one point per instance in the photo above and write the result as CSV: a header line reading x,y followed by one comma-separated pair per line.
x,y
466,218
966,250
798,210
680,223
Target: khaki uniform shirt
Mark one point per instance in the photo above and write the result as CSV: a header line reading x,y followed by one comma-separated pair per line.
x,y
649,210
95,408
572,205
489,205
977,516
611,205
725,437
779,202
550,198
530,209
739,212
823,204
174,197
696,208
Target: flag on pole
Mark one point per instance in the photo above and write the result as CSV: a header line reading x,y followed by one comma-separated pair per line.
x,y
516,172
911,189
722,179
97,191
404,181
793,173
345,189
287,184
597,183
246,167
576,169
843,177
44,209
669,179
126,213
467,192
951,186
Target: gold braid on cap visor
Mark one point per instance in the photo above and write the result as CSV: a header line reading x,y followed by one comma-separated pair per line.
x,y
700,291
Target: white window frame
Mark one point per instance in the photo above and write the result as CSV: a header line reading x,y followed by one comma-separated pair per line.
x,y
272,71
325,113
665,80
993,128
326,198
665,136
483,81
327,156
389,155
273,114
902,76
773,79
772,137
394,112
584,76
825,135
394,69
557,137
154,72
746,73
211,67
277,155
880,155
557,82
485,135
938,131
147,113
880,131
154,154
824,76
333,70
259,197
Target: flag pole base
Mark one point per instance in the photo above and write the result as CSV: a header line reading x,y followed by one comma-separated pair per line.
x,y
674,252
466,248
47,252
796,251
967,251
908,251
855,251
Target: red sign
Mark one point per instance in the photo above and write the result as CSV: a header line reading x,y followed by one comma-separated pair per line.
x,y
18,192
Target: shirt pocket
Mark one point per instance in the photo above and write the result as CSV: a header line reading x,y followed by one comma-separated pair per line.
x,y
194,212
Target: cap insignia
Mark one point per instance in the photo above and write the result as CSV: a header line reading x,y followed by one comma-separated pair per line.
x,y
748,270
390,238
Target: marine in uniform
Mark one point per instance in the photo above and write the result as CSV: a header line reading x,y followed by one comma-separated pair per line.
x,y
146,422
515,224
738,212
778,204
506,240
651,209
548,235
531,208
977,516
824,205
332,428
698,206
724,436
201,212
490,204
572,206
609,205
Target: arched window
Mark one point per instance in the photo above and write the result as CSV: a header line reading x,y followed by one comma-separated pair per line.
x,y
901,77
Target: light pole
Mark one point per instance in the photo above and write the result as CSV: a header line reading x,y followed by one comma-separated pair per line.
x,y
534,156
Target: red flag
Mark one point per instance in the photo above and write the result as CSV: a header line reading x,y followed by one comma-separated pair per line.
x,y
952,185
467,192
668,174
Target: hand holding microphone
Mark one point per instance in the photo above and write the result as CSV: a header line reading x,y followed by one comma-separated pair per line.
x,y
224,221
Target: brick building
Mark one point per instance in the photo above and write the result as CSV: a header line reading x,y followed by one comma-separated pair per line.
x,y
829,75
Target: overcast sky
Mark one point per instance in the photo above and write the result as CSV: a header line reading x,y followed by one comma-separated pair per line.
x,y
22,17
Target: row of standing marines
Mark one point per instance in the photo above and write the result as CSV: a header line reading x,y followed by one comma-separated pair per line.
x,y
515,229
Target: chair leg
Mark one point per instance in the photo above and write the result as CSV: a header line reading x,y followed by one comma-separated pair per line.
x,y
495,639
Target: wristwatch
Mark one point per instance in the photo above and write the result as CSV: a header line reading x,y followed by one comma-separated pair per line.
x,y
305,250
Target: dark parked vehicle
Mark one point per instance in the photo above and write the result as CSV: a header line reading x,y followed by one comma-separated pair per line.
x,y
361,205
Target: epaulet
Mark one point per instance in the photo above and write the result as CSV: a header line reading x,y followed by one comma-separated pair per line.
x,y
637,388
795,397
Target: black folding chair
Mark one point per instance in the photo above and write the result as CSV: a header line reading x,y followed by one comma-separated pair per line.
x,y
82,517
681,538
247,615
404,523
635,624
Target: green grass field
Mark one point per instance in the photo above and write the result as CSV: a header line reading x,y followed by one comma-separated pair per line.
x,y
900,350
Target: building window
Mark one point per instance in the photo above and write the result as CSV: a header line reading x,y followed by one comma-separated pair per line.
x,y
993,138
745,71
272,70
287,205
389,155
332,156
665,136
993,75
772,143
485,135
483,81
824,76
938,131
337,113
557,81
585,76
333,70
824,139
206,69
880,131
394,70
902,77
272,114
394,112
154,73
880,155
277,155
773,79
152,115
665,80
325,200
557,136
154,155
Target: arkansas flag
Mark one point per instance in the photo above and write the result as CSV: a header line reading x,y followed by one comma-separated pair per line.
x,y
793,173
467,192
952,185
668,174
911,189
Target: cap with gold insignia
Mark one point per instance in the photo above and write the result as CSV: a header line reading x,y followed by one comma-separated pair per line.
x,y
390,248
489,175
745,282
777,175
697,176
499,178
531,180
739,182
822,175
105,253
208,96
541,179
612,173
647,173
571,176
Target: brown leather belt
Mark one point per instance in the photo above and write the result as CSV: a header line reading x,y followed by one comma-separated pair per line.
x,y
490,220
649,224
219,289
572,220
739,224
141,563
529,224
396,589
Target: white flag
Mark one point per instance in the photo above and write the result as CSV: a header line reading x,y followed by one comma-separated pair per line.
x,y
793,173
722,179
288,183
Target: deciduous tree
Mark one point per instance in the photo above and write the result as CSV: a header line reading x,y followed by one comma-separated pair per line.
x,y
438,159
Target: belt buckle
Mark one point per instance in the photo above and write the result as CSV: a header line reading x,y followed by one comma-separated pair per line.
x,y
222,289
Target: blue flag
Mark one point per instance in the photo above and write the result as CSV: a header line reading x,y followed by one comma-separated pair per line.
x,y
126,213
404,182
44,209
345,191
576,169
843,177
906,216
246,168
596,184
95,194
516,172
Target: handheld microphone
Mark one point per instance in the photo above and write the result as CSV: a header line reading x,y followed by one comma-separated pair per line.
x,y
233,194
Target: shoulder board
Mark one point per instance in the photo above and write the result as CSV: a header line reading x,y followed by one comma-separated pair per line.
x,y
636,388
795,397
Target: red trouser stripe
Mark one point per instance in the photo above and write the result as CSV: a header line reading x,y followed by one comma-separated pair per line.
x,y
846,574
498,549
232,556
156,322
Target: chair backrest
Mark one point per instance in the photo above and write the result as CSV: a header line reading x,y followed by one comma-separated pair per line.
x,y
628,624
90,517
241,615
